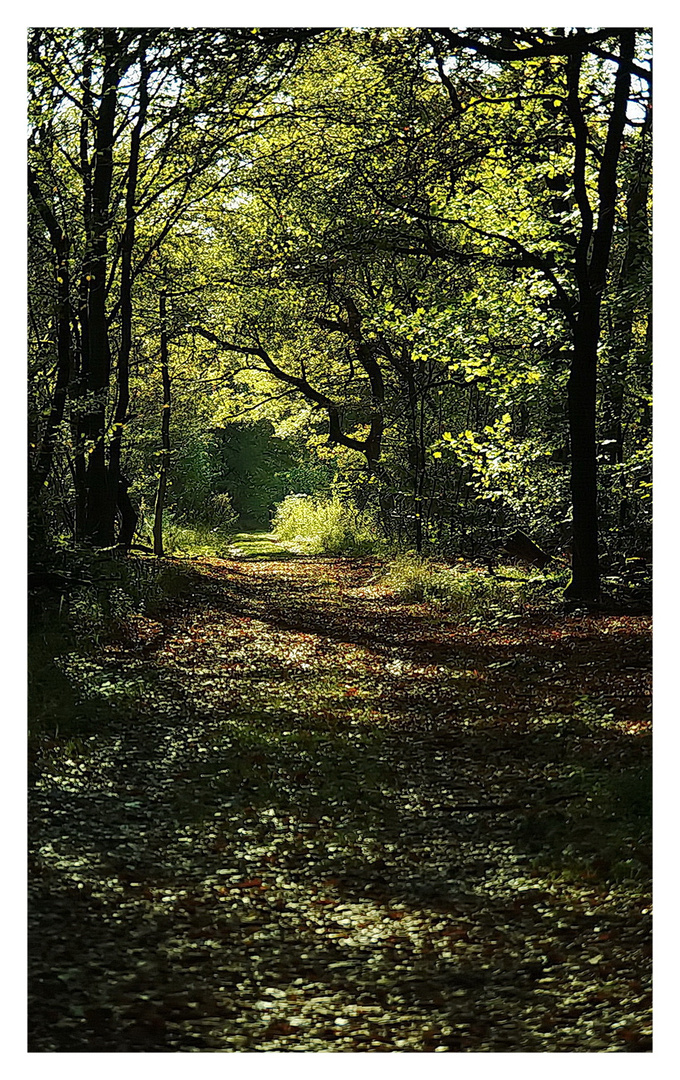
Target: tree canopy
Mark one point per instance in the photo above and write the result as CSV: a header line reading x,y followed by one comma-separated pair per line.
x,y
411,265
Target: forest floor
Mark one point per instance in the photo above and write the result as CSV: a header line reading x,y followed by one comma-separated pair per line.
x,y
303,817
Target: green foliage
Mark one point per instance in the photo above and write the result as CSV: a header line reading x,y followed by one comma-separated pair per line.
x,y
472,593
102,586
188,540
193,477
370,227
326,526
259,467
409,578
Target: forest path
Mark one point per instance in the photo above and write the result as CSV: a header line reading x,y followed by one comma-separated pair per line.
x,y
312,819
260,546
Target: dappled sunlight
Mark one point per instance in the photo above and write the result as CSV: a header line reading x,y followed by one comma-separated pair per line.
x,y
306,825
339,476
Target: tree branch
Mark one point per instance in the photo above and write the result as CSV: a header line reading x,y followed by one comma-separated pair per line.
x,y
335,434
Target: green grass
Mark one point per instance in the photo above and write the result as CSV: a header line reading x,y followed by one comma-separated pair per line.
x,y
261,547
323,526
472,592
196,540
411,579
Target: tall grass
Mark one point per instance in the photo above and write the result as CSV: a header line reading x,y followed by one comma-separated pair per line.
x,y
325,526
466,591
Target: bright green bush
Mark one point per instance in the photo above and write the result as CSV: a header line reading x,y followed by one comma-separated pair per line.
x,y
410,578
471,592
322,526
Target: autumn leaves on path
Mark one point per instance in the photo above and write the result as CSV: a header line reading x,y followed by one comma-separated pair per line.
x,y
313,819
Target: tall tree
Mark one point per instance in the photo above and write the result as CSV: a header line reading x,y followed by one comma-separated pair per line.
x,y
598,117
128,127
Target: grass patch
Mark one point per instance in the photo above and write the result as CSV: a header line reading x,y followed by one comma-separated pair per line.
x,y
196,540
467,591
325,526
261,547
411,579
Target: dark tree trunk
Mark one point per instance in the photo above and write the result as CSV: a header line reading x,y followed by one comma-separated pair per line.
x,y
127,245
100,493
60,244
128,515
582,392
591,262
165,435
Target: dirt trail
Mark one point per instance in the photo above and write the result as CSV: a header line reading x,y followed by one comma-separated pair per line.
x,y
315,820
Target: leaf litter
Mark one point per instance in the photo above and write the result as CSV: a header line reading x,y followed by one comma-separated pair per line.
x,y
313,819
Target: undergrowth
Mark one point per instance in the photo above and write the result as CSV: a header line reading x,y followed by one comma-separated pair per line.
x,y
210,537
86,599
468,591
180,539
323,526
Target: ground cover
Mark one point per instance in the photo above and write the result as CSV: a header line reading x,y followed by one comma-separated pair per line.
x,y
294,814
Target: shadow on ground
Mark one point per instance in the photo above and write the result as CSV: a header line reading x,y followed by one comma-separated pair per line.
x,y
290,833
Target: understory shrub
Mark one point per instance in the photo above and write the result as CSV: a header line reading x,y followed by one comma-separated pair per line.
x,y
325,526
92,591
211,535
181,539
470,591
410,578
80,599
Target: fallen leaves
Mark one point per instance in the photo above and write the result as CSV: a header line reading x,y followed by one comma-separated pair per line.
x,y
261,847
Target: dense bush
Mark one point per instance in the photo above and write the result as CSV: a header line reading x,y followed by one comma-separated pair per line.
x,y
326,526
465,591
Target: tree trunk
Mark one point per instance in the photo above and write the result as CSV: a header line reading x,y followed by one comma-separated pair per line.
x,y
125,348
100,493
581,396
591,262
633,270
60,245
165,435
128,515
